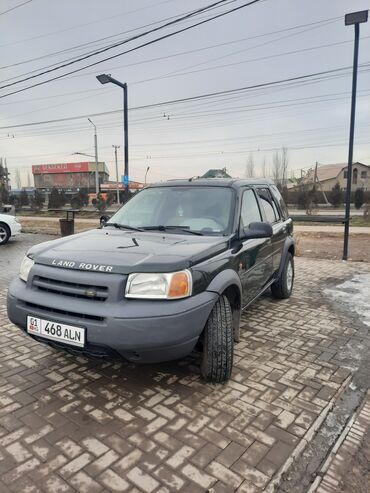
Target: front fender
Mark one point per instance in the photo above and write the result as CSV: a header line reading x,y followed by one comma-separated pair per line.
x,y
223,280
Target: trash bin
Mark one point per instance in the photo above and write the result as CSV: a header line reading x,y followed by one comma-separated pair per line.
x,y
67,227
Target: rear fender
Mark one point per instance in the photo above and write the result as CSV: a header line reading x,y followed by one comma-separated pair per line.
x,y
288,247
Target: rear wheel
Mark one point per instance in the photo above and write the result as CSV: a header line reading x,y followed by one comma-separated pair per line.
x,y
283,287
4,233
218,343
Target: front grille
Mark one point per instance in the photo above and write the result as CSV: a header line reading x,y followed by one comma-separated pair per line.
x,y
72,289
64,312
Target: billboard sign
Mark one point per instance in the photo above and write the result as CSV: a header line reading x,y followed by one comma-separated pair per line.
x,y
41,169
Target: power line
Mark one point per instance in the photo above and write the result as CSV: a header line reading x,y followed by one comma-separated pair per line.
x,y
190,98
312,26
99,21
202,70
323,21
196,50
94,42
15,7
130,50
115,45
240,62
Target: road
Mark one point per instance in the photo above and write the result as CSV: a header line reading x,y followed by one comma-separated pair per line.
x,y
52,225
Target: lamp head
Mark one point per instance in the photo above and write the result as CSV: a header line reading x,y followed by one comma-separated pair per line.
x,y
356,17
103,78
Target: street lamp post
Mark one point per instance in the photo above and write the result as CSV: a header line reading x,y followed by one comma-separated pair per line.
x,y
117,187
96,159
354,18
88,155
105,79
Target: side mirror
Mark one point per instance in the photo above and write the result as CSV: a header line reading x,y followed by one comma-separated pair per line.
x,y
103,220
257,230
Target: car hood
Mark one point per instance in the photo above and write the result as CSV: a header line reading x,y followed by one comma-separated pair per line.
x,y
119,251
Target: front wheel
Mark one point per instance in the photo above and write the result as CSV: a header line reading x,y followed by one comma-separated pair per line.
x,y
218,343
283,287
4,233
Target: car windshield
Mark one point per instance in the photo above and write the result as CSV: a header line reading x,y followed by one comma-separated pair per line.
x,y
206,210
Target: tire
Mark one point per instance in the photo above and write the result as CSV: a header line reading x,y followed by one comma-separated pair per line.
x,y
4,233
283,287
218,343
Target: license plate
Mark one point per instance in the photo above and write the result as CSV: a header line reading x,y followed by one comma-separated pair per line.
x,y
56,331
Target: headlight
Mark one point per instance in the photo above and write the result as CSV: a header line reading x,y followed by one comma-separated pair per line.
x,y
159,286
26,265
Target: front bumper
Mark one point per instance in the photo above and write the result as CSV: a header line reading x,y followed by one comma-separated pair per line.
x,y
15,228
145,331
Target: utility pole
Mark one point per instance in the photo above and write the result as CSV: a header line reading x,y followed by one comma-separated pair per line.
x,y
117,182
97,188
354,18
315,178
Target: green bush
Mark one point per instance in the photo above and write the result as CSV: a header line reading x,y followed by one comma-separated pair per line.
x,y
336,197
359,198
23,199
37,201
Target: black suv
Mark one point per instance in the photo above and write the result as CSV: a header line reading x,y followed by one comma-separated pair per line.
x,y
174,267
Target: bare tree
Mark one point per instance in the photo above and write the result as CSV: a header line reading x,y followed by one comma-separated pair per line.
x,y
249,167
276,167
284,165
18,180
264,168
280,167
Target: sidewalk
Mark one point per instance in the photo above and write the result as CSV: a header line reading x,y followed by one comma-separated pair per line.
x,y
331,229
343,466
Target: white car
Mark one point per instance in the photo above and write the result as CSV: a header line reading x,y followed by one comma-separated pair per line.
x,y
9,226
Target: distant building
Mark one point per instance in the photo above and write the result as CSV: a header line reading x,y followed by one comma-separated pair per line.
x,y
328,175
69,177
216,173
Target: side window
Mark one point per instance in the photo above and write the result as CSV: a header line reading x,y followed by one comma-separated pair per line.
x,y
269,206
250,212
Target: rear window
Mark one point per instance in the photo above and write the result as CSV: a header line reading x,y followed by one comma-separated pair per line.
x,y
279,199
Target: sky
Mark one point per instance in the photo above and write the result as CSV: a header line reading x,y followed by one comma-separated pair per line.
x,y
268,41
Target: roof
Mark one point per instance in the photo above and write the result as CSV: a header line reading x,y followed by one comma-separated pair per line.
x,y
330,171
216,173
214,182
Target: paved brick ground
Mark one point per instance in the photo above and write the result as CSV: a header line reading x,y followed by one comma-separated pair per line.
x,y
72,424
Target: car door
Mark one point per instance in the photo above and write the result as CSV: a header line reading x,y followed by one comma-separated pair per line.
x,y
255,255
272,215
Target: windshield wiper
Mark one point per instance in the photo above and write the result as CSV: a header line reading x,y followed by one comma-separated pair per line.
x,y
184,229
122,226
